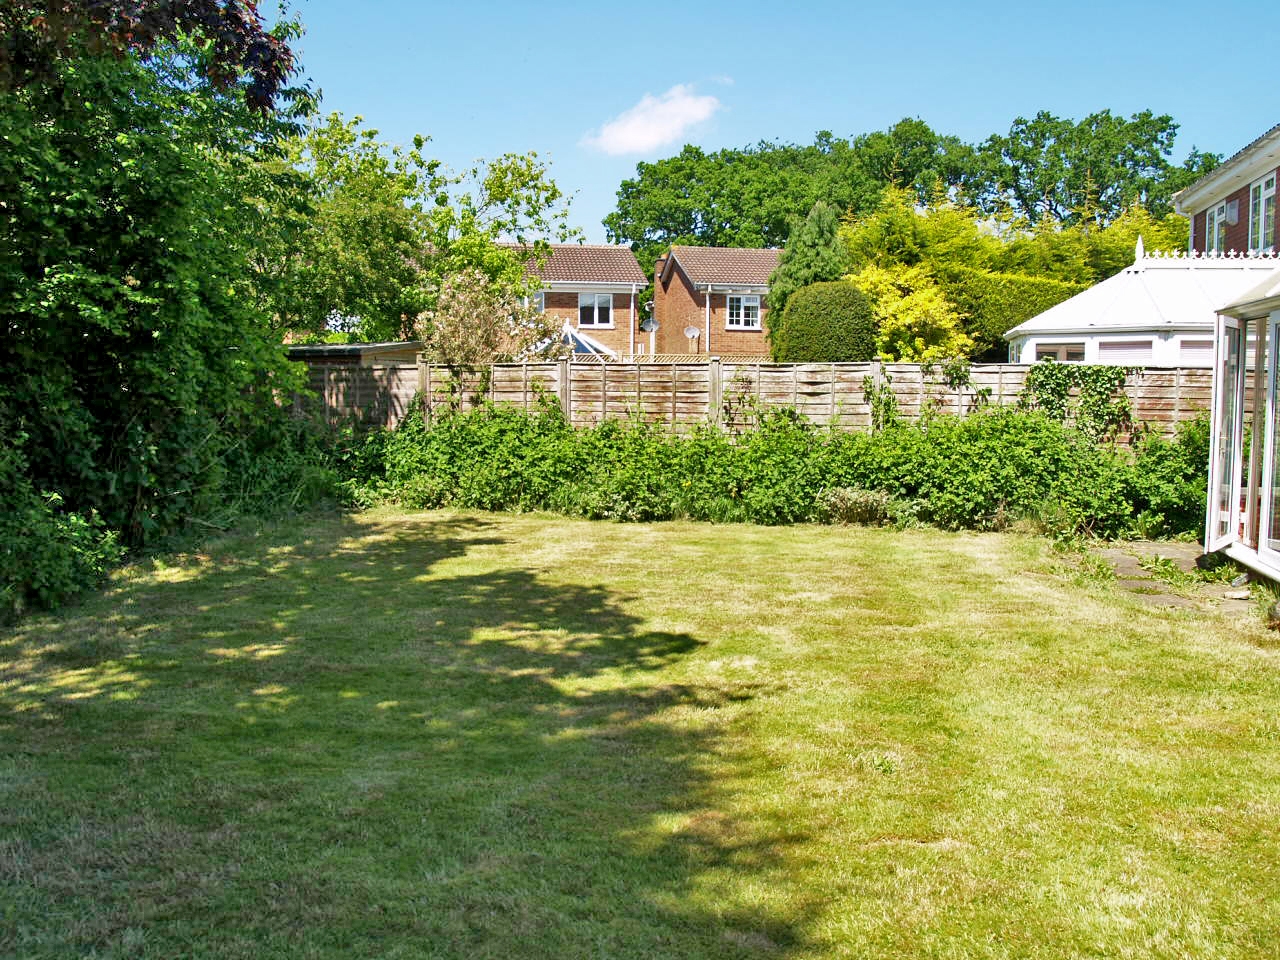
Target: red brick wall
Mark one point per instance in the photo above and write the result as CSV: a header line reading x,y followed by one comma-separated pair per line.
x,y
676,305
565,306
1238,232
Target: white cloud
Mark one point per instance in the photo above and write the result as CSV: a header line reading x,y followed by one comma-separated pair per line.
x,y
653,122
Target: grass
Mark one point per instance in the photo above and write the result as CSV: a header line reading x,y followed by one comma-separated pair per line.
x,y
458,735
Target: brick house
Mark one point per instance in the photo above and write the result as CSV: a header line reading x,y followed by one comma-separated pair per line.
x,y
718,293
1233,208
594,289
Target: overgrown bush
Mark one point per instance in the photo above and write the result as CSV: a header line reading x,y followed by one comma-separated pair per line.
x,y
824,323
980,472
1170,478
47,553
994,303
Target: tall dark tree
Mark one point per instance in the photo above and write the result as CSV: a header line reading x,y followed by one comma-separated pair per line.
x,y
813,253
137,372
37,35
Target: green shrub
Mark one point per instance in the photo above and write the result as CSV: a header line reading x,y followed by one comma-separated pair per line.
x,y
981,471
824,323
47,554
997,302
1171,479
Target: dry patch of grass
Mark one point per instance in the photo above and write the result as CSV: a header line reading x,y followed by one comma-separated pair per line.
x,y
458,735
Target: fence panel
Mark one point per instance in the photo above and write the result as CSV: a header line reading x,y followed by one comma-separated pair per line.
x,y
682,393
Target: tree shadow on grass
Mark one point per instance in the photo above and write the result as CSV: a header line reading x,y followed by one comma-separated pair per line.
x,y
347,747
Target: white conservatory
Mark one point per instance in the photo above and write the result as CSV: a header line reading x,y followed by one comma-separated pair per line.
x,y
1156,313
1244,477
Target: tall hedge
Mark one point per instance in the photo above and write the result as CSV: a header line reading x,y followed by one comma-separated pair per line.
x,y
996,302
824,323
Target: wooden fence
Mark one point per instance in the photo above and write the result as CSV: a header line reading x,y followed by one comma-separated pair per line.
x,y
680,394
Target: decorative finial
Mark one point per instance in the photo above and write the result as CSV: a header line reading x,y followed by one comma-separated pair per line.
x,y
1138,249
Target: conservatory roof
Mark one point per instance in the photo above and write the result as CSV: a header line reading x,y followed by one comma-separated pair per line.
x,y
1157,292
1259,300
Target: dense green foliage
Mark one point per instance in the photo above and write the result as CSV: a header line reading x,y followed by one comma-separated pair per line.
x,y
1052,171
1051,168
385,226
139,383
993,303
992,274
755,196
1171,482
824,323
813,254
982,471
1090,396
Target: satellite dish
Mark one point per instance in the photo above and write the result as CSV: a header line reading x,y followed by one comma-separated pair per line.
x,y
648,324
691,332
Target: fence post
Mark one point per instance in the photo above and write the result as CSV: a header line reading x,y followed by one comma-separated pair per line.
x,y
566,391
715,386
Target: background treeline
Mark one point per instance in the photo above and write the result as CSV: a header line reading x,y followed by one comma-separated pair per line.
x,y
951,243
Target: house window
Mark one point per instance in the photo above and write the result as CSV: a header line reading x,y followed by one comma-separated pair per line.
x,y
594,310
1215,229
1262,214
1066,352
539,301
744,312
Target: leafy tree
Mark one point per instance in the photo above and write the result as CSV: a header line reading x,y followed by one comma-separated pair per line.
x,y
916,322
750,197
1091,170
385,225
136,359
911,156
827,322
40,36
813,253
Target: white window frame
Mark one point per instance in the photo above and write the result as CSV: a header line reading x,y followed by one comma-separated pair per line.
x,y
1262,214
747,302
594,300
1215,228
1222,523
1059,350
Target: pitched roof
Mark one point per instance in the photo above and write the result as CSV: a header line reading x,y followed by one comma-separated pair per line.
x,y
1239,169
742,265
588,263
1158,292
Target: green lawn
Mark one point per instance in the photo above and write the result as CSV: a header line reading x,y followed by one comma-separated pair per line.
x,y
466,735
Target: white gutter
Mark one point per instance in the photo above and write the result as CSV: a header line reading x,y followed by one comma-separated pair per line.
x,y
706,344
631,328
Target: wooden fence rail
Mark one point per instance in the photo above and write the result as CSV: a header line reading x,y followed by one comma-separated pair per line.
x,y
684,393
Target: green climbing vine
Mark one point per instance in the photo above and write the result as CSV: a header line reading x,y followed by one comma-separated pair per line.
x,y
1091,396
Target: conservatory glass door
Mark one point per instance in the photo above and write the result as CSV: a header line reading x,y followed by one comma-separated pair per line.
x,y
1225,508
1269,530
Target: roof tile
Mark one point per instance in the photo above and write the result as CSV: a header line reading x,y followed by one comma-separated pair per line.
x,y
745,265
588,263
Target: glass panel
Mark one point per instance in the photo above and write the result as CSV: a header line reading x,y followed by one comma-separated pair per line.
x,y
604,301
1226,430
586,309
1272,534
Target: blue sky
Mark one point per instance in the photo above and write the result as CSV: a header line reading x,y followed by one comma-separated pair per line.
x,y
594,88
